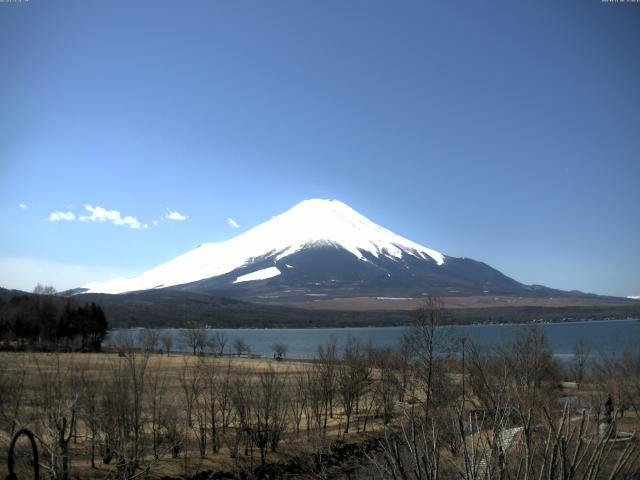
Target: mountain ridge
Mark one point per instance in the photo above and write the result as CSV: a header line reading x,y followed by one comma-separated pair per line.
x,y
168,308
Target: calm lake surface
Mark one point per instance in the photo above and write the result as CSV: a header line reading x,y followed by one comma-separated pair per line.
x,y
606,336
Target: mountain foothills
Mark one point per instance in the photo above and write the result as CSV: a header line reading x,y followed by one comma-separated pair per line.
x,y
321,263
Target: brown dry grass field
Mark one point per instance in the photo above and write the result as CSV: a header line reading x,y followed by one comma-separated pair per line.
x,y
477,301
99,369
98,366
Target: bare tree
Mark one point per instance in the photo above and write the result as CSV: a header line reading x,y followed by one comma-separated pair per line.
x,y
216,342
327,364
211,396
149,339
298,400
136,368
195,339
240,396
123,411
387,387
522,375
240,346
353,377
167,343
269,412
202,410
59,409
488,378
40,289
402,358
190,384
533,372
173,431
115,412
91,392
318,395
159,410
618,376
429,340
628,368
580,360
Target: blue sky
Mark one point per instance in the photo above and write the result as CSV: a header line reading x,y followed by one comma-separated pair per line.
x,y
508,132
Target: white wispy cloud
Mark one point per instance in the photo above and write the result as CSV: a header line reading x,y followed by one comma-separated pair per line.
x,y
100,214
23,206
57,216
232,223
174,215
97,214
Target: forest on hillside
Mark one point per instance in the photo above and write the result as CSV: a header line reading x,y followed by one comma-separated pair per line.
x,y
43,321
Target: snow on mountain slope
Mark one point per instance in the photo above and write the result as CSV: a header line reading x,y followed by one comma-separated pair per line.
x,y
311,223
258,275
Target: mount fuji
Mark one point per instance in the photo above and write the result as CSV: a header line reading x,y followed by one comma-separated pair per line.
x,y
320,249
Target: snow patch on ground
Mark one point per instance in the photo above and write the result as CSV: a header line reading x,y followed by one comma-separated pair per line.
x,y
394,298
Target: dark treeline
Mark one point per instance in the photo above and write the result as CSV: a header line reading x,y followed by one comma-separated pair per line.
x,y
45,322
168,308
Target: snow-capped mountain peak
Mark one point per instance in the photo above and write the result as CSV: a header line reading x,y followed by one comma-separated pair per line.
x,y
333,222
311,223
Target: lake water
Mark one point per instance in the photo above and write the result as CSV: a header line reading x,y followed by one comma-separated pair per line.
x,y
607,336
